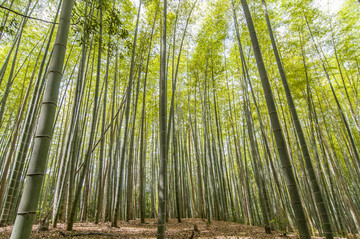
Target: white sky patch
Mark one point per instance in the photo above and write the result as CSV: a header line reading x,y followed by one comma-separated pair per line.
x,y
331,6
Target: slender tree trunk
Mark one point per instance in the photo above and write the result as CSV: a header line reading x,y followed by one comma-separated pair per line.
x,y
131,149
102,146
31,193
258,174
309,166
301,221
5,20
127,113
163,131
175,159
142,172
15,138
85,166
346,123
10,78
111,156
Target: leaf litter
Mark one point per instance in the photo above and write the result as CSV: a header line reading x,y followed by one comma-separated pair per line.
x,y
188,228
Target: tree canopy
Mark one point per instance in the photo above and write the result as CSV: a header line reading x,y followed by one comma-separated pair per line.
x,y
234,110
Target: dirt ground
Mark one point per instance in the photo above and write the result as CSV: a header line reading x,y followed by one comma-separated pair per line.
x,y
134,229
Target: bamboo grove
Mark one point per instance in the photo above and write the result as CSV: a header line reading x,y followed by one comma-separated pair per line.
x,y
234,110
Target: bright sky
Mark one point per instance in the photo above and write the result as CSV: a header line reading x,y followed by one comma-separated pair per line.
x,y
332,5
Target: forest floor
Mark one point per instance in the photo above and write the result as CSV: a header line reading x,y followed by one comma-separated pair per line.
x,y
135,229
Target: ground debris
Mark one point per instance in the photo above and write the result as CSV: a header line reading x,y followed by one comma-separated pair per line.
x,y
188,228
87,234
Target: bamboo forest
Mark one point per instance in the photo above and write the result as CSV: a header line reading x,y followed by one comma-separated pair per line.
x,y
180,119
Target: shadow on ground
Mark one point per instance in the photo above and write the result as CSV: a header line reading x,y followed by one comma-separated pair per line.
x,y
135,229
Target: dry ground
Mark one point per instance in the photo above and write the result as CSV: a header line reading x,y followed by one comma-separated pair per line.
x,y
134,229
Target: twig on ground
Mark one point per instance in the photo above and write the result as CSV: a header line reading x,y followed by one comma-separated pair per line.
x,y
87,234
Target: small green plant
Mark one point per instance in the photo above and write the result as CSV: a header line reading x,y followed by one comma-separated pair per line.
x,y
280,221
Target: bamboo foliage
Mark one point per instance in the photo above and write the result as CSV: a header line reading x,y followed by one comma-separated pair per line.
x,y
174,109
